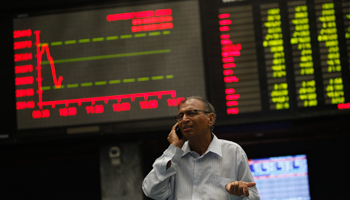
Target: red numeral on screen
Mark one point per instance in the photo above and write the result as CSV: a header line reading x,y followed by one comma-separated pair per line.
x,y
70,111
118,107
37,114
94,109
22,33
25,92
174,102
24,80
22,44
151,104
24,105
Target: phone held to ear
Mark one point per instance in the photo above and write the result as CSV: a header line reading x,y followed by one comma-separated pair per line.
x,y
178,132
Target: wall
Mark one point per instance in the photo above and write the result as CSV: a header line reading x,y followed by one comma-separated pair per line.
x,y
120,168
61,169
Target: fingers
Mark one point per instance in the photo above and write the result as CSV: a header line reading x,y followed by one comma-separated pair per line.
x,y
172,130
245,191
251,184
239,188
174,139
174,127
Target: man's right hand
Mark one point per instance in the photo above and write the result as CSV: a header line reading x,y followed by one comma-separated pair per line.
x,y
174,139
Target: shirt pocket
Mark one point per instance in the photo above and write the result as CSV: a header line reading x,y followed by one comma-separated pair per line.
x,y
217,188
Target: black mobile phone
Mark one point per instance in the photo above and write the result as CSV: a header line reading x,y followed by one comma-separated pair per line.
x,y
178,132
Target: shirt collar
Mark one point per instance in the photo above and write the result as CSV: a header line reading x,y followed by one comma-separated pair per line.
x,y
214,147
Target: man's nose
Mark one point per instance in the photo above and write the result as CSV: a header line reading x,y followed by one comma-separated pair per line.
x,y
185,117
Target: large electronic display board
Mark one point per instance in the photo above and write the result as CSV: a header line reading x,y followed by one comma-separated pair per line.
x,y
107,65
277,60
283,177
256,61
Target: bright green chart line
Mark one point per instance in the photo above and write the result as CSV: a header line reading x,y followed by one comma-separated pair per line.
x,y
111,37
157,77
140,35
141,53
72,85
56,43
46,88
143,79
98,39
57,88
70,42
114,81
86,40
154,33
125,36
129,80
42,44
169,76
86,84
101,83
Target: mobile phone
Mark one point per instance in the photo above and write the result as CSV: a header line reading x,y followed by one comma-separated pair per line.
x,y
178,132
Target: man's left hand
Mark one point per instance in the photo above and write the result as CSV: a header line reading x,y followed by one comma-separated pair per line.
x,y
239,188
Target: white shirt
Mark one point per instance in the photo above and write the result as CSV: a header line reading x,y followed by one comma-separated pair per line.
x,y
199,177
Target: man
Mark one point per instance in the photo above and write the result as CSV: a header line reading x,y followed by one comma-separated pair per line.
x,y
199,166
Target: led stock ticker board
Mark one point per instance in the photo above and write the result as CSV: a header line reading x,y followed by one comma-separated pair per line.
x,y
258,60
279,59
106,65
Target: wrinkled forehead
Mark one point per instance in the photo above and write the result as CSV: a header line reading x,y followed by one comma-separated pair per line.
x,y
191,104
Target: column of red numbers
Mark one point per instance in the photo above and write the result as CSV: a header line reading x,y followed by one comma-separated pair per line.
x,y
229,51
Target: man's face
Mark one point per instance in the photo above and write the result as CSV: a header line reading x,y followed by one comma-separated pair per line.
x,y
197,125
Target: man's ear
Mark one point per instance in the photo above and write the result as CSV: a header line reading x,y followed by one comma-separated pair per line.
x,y
211,119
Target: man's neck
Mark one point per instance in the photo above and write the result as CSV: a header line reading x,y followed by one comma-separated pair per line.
x,y
200,145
